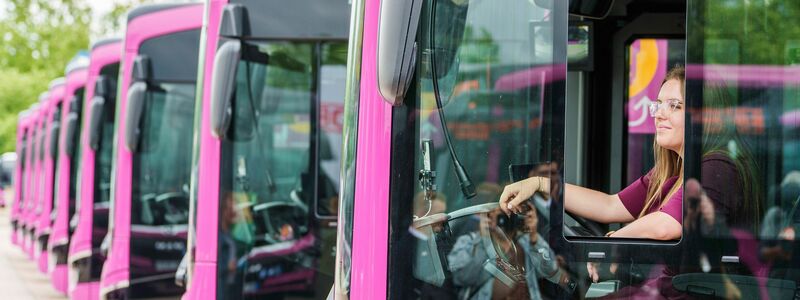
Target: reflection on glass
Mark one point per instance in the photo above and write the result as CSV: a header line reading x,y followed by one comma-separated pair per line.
x,y
162,165
280,162
101,193
75,159
578,46
23,168
651,206
486,78
54,134
650,59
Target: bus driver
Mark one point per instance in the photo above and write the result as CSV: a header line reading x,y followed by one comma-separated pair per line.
x,y
652,205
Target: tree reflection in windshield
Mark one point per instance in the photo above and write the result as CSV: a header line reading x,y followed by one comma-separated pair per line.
x,y
162,165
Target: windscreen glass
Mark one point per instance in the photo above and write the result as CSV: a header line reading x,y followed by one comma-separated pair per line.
x,y
162,163
280,171
489,77
54,134
22,149
75,159
103,154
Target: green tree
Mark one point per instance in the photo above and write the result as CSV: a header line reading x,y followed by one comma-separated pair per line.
x,y
39,37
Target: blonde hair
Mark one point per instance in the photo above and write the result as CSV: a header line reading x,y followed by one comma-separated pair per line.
x,y
668,163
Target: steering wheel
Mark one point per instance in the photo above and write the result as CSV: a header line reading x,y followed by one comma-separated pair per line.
x,y
586,228
174,205
265,210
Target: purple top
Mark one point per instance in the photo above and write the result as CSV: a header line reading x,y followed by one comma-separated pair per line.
x,y
634,196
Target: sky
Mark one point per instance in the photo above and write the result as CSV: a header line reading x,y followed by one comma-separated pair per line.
x,y
102,7
99,8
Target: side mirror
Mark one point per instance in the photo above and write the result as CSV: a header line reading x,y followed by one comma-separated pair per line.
x,y
102,87
141,68
136,99
102,90
105,245
55,127
72,126
594,9
223,82
72,130
133,114
182,273
397,47
96,107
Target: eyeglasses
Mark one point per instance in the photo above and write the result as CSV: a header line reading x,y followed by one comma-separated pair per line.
x,y
657,105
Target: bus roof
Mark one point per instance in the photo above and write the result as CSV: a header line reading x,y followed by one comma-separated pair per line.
x,y
104,41
152,8
56,82
79,61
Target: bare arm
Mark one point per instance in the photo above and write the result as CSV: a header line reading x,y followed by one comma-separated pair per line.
x,y
595,205
587,203
657,226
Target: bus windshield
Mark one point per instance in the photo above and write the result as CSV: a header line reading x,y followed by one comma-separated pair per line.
x,y
488,80
279,165
54,135
75,158
103,154
161,168
23,167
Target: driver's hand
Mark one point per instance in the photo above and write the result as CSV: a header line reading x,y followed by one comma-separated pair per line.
x,y
516,193
592,268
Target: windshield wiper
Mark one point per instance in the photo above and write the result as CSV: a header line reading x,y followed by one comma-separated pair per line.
x,y
467,187
267,174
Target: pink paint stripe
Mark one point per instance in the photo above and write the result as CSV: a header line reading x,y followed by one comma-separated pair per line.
x,y
204,279
530,77
306,275
85,291
297,246
60,279
746,75
208,182
371,224
791,118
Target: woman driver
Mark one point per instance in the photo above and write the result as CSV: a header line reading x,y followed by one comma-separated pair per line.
x,y
652,204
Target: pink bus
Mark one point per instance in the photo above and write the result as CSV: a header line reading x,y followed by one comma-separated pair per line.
x,y
21,173
265,204
450,101
68,166
51,125
85,260
150,191
32,149
8,162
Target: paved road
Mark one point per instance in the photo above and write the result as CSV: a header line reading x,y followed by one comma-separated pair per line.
x,y
19,277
